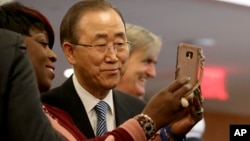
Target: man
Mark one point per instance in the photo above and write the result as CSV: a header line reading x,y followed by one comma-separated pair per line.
x,y
93,38
144,50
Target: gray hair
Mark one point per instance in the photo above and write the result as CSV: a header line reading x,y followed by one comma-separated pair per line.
x,y
142,39
2,2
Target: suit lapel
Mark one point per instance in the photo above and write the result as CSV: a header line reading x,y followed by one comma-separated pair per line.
x,y
126,106
75,108
120,104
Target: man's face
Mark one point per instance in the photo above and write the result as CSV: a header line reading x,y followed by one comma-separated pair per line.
x,y
42,58
141,66
99,67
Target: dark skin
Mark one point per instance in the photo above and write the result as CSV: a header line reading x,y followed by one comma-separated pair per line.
x,y
180,119
191,117
41,57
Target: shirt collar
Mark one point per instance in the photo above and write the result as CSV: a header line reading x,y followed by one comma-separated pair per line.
x,y
89,101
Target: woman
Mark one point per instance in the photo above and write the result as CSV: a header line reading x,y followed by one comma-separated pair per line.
x,y
38,37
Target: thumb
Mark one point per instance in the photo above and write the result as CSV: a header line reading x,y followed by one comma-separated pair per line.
x,y
110,138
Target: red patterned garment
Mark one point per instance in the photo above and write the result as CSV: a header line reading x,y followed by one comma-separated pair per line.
x,y
63,124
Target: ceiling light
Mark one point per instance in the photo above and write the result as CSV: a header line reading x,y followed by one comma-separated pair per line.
x,y
203,42
238,2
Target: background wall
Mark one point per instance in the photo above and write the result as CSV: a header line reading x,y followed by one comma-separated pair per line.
x,y
217,124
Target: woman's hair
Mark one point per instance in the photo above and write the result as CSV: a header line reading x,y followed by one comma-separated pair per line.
x,y
16,17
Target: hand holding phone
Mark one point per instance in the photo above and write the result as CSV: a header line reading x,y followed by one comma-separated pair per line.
x,y
190,63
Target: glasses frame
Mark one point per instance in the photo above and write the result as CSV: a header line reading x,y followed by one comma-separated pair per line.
x,y
93,46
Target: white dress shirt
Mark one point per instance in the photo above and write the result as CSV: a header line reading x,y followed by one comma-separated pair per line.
x,y
89,101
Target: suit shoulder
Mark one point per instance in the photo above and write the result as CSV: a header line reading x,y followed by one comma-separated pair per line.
x,y
51,96
130,98
60,95
9,39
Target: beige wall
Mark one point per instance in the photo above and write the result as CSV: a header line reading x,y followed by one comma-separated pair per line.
x,y
217,124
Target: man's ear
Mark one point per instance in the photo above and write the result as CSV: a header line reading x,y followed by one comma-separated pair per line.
x,y
68,50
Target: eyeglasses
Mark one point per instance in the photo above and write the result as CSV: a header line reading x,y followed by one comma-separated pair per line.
x,y
118,46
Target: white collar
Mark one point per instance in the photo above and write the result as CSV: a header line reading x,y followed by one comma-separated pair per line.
x,y
89,101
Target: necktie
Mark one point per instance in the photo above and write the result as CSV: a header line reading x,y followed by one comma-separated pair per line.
x,y
101,109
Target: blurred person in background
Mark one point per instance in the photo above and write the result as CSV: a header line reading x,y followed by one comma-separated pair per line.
x,y
143,54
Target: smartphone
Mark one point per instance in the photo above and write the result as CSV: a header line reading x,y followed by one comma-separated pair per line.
x,y
188,62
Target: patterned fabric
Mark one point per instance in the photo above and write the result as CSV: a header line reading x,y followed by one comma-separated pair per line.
x,y
101,109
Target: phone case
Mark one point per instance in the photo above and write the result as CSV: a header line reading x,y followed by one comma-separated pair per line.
x,y
188,62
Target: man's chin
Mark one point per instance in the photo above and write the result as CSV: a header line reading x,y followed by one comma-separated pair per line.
x,y
140,92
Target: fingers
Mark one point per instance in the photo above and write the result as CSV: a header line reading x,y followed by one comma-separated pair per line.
x,y
190,97
196,109
191,107
179,88
197,104
198,93
194,102
167,105
199,112
178,83
198,100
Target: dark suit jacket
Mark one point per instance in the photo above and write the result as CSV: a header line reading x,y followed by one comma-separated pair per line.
x,y
66,98
21,115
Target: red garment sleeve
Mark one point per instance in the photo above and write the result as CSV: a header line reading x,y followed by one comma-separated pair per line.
x,y
119,134
128,131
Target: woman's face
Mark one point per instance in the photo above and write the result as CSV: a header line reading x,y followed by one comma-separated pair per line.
x,y
42,58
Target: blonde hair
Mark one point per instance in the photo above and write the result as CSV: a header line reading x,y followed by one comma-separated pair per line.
x,y
142,39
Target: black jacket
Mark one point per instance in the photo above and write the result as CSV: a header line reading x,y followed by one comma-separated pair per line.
x,y
21,115
66,98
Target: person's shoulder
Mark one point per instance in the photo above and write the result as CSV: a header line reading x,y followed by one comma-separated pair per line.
x,y
56,94
50,95
59,89
10,38
13,56
128,97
